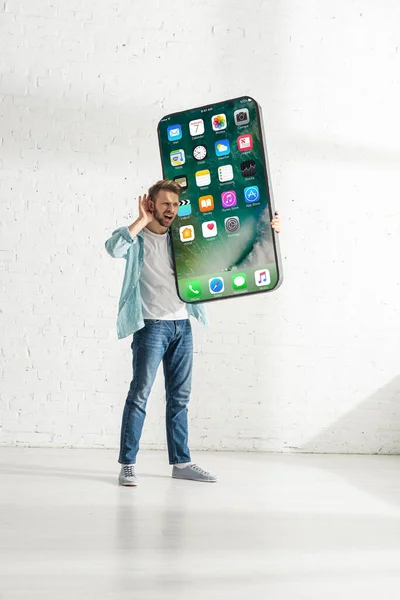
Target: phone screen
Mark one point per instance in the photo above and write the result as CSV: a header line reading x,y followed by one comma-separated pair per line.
x,y
222,240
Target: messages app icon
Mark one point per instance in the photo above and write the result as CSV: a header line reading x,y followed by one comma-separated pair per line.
x,y
239,281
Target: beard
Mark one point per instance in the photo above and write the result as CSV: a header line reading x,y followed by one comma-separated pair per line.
x,y
162,219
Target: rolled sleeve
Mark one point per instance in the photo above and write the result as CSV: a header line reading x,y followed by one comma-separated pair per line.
x,y
119,243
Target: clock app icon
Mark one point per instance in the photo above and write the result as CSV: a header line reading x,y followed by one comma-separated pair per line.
x,y
199,152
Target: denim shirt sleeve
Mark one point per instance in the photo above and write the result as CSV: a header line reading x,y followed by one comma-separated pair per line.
x,y
119,243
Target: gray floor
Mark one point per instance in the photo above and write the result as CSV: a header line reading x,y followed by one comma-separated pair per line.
x,y
275,526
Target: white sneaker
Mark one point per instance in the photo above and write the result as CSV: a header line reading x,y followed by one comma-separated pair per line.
x,y
127,475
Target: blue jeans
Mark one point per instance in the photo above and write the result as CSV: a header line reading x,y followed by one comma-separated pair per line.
x,y
172,343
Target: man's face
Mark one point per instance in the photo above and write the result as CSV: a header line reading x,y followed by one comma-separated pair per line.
x,y
166,207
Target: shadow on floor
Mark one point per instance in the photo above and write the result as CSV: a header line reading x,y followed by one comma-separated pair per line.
x,y
373,427
40,471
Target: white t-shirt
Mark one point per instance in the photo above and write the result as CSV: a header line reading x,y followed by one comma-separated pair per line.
x,y
157,281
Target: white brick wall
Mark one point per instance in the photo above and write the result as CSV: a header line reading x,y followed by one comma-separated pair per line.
x,y
313,367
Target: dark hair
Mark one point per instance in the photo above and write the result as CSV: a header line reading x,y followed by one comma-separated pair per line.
x,y
164,184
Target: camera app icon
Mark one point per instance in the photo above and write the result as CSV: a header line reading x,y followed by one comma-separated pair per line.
x,y
242,116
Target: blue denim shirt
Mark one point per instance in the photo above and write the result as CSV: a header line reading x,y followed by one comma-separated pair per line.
x,y
130,315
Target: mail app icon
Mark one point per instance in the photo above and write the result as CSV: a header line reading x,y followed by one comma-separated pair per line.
x,y
174,132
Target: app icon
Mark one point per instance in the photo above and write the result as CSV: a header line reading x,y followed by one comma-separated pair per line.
x,y
222,148
248,168
245,142
203,177
193,289
216,285
225,173
239,281
209,229
251,194
232,224
196,127
262,277
206,203
177,157
174,132
186,233
218,122
199,152
228,199
185,208
182,180
241,116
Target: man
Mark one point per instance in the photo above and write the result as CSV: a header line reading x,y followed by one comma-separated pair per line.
x,y
150,308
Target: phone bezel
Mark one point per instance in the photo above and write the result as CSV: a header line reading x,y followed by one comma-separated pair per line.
x,y
271,204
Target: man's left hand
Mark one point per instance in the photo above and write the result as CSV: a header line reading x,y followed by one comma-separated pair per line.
x,y
276,223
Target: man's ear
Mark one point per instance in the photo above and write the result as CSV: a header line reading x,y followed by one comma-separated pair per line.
x,y
151,204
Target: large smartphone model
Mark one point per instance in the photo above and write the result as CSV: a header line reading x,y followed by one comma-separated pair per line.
x,y
222,240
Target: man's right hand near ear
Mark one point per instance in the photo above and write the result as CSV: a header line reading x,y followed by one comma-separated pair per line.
x,y
145,215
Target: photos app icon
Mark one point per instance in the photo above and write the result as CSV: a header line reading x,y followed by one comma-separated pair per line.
x,y
219,122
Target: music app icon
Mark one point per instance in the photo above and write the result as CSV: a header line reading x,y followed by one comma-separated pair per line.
x,y
262,277
228,199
